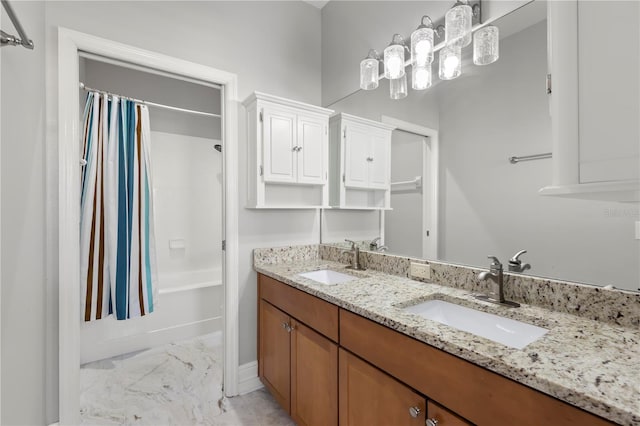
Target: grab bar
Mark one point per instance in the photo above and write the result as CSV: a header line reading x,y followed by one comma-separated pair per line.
x,y
515,160
415,183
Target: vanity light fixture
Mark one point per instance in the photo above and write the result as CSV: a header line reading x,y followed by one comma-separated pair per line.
x,y
486,46
394,58
455,29
369,71
398,87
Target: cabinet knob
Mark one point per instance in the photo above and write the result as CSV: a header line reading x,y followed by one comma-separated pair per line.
x,y
432,422
369,158
414,411
287,327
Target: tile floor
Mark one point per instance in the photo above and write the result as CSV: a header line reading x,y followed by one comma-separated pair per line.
x,y
175,384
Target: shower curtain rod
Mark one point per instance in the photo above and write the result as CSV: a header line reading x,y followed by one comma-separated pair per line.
x,y
153,104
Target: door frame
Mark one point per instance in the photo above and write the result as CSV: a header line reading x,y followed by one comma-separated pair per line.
x,y
70,45
430,184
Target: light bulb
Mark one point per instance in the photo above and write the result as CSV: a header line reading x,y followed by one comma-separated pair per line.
x,y
395,66
394,58
421,78
450,62
423,49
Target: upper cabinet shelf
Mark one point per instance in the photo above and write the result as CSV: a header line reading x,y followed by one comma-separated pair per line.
x,y
360,163
594,101
287,153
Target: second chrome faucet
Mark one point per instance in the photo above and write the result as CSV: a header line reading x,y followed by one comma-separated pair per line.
x,y
355,260
495,274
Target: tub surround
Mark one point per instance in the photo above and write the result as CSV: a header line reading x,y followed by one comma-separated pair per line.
x,y
588,358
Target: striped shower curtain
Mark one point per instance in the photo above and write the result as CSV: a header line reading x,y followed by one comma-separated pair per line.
x,y
117,247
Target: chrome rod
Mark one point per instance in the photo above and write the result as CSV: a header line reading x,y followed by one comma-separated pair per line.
x,y
514,160
153,104
12,40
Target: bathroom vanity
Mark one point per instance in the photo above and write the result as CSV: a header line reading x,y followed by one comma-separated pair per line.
x,y
350,354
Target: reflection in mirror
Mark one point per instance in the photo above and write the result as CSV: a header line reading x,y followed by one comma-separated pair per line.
x,y
485,204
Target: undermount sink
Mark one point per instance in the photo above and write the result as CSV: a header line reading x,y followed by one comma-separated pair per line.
x,y
328,277
509,332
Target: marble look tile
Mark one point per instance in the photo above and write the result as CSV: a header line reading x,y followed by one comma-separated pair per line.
x,y
175,384
590,364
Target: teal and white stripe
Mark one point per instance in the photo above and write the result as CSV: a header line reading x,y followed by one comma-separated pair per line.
x,y
117,265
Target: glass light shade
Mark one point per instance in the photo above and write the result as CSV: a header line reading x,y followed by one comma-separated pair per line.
x,y
398,87
422,47
421,77
450,62
457,25
486,45
394,61
369,74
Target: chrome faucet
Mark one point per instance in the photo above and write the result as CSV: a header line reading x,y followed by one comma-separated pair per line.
x,y
374,246
355,260
495,274
515,264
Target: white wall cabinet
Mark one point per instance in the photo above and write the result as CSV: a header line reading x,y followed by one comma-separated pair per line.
x,y
595,102
287,153
360,162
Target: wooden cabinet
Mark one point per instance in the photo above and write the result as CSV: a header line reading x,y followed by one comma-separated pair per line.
x,y
287,153
359,162
275,349
298,364
370,397
594,99
314,380
327,365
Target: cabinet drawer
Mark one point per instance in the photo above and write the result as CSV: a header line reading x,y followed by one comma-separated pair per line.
x,y
479,395
370,397
316,313
443,417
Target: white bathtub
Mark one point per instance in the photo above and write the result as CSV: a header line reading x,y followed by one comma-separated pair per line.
x,y
189,304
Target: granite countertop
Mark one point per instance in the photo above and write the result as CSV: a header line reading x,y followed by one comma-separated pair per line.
x,y
590,364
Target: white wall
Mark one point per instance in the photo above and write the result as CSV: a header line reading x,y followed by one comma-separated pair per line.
x,y
490,206
24,311
272,46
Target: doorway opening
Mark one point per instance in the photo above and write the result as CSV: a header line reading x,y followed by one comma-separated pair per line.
x,y
196,191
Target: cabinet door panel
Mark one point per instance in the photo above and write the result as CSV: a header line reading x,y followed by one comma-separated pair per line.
x,y
279,141
380,163
274,353
356,167
311,155
314,378
370,397
609,83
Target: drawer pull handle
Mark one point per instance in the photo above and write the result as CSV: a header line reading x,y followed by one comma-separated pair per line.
x,y
287,327
432,422
414,411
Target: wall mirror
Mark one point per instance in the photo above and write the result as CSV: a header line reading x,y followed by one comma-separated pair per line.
x,y
487,205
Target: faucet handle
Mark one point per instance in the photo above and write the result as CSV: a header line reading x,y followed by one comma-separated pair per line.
x,y
353,244
514,260
495,262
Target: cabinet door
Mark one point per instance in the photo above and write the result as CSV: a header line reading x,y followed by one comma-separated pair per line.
x,y
370,397
279,145
314,378
379,161
609,83
312,148
356,167
274,352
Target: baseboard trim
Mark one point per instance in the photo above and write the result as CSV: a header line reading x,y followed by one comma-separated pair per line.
x,y
248,380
